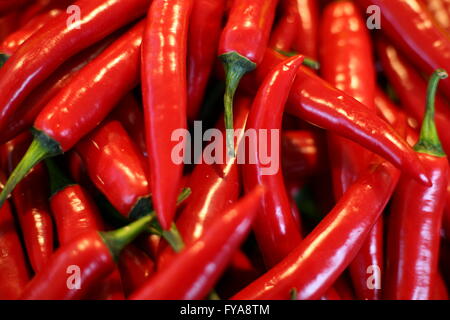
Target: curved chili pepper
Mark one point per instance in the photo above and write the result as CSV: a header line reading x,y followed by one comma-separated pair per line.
x,y
313,266
113,163
214,187
196,268
13,269
410,26
76,110
13,42
439,11
204,31
412,89
42,57
47,90
30,200
93,254
307,38
415,221
40,6
275,228
164,90
347,64
135,267
315,100
241,48
286,30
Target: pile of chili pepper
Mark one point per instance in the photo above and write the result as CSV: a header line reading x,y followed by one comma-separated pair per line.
x,y
224,149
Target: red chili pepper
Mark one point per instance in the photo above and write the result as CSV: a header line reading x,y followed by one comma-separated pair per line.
x,y
313,266
47,90
440,289
8,25
40,6
8,5
439,11
13,42
113,163
130,114
307,38
241,48
13,269
343,288
412,89
204,32
410,26
135,267
214,187
76,110
30,200
164,90
347,63
91,256
315,100
285,32
196,268
275,228
415,221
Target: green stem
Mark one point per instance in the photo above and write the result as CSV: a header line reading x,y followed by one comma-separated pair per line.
x,y
293,294
41,148
309,62
3,58
213,295
58,180
236,66
118,239
141,208
429,142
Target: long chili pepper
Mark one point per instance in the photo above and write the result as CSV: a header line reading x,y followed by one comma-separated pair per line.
x,y
163,63
347,64
316,101
42,57
8,25
440,13
38,99
30,200
412,89
313,266
286,30
13,269
275,227
135,267
76,110
204,32
196,268
415,220
113,163
13,42
410,26
241,48
91,257
214,187
41,6
308,33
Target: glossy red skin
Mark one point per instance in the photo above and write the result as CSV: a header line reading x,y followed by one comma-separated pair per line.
x,y
114,166
412,89
314,265
135,267
446,216
411,26
43,56
13,42
109,288
347,63
248,29
205,26
414,234
196,268
75,111
13,269
308,33
303,154
47,90
74,212
438,10
285,32
89,252
318,102
164,61
275,228
214,188
41,6
130,114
